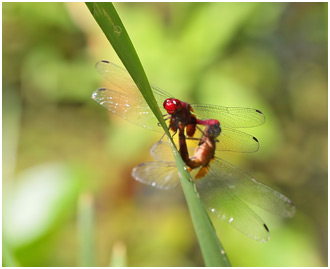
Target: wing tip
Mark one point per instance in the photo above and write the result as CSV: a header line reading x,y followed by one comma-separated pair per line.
x,y
265,226
292,210
95,94
264,239
256,145
263,116
101,62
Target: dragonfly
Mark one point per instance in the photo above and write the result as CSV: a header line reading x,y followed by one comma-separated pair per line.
x,y
226,191
123,98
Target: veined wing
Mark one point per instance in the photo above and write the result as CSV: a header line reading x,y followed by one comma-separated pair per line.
x,y
250,190
125,100
161,151
228,140
236,141
236,181
227,206
121,80
234,117
131,108
162,175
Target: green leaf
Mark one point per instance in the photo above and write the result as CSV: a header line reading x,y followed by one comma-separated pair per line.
x,y
111,25
8,257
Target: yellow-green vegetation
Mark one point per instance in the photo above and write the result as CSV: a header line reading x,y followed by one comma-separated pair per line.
x,y
67,162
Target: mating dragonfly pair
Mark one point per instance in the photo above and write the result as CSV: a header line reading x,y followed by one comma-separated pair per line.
x,y
204,131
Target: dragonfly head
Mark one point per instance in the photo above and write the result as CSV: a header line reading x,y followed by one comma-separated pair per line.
x,y
172,105
213,128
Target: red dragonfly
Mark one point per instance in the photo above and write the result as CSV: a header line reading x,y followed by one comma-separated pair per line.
x,y
124,99
225,190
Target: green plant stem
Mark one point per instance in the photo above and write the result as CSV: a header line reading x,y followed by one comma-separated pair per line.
x,y
110,23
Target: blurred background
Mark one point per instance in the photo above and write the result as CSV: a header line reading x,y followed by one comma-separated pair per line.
x,y
68,195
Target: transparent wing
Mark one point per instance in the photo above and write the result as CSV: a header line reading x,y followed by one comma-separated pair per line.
x,y
131,108
125,100
234,117
228,140
236,181
226,191
162,175
161,151
250,190
236,141
227,206
121,80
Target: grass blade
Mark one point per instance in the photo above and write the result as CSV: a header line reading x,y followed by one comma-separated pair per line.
x,y
85,230
118,257
111,25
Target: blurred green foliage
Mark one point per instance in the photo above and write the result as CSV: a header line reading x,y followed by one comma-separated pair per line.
x,y
58,144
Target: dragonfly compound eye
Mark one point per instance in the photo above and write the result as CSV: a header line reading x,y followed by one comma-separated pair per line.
x,y
213,128
172,105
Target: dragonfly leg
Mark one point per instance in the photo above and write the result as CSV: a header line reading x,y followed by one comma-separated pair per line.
x,y
174,133
167,117
192,138
162,137
200,129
